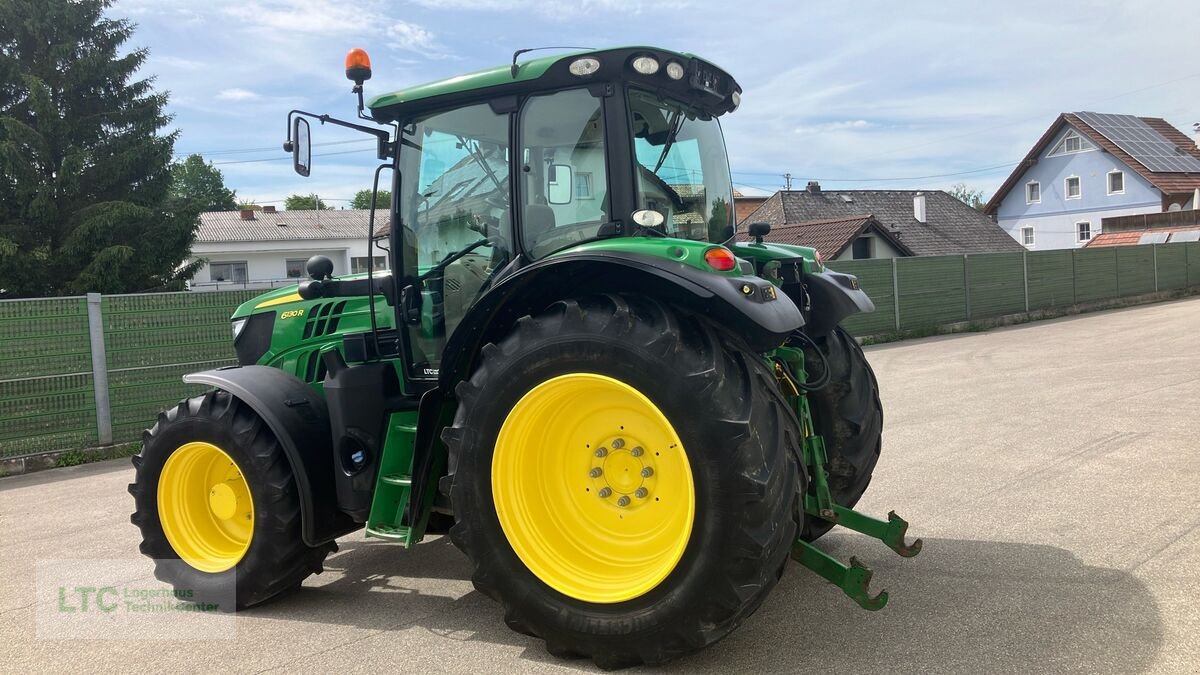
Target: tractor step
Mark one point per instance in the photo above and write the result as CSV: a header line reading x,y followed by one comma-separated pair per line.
x,y
389,532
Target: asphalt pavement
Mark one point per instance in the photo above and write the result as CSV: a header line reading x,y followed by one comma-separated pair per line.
x,y
1051,469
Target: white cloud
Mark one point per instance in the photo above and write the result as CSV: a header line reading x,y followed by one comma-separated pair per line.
x,y
237,94
410,36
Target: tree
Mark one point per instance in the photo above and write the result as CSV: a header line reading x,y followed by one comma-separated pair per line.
x,y
85,179
362,199
200,183
972,198
304,203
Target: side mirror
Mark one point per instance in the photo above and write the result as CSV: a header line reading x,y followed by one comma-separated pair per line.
x,y
560,188
301,147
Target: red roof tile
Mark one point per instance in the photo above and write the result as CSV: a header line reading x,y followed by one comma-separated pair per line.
x,y
1131,237
832,236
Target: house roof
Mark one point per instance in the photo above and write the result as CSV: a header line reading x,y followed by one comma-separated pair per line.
x,y
1134,237
832,236
951,226
229,226
1167,182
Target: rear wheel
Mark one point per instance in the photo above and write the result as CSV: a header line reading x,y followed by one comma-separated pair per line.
x,y
217,505
849,417
625,480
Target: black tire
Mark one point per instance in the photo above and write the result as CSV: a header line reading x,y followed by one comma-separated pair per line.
x,y
848,415
277,560
742,448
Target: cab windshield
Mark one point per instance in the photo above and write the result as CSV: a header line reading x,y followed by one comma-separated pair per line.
x,y
682,171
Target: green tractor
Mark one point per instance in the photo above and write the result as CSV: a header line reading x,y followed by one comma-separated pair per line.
x,y
628,420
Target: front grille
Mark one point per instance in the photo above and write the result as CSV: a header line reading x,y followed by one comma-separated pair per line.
x,y
323,319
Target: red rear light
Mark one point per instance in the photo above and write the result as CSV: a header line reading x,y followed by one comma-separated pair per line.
x,y
720,259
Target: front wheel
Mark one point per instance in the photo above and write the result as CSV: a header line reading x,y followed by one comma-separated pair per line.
x,y
625,480
218,507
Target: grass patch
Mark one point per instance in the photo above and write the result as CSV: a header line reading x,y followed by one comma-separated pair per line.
x,y
89,455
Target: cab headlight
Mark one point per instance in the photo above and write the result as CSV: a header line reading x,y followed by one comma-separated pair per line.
x,y
583,67
645,65
675,70
238,325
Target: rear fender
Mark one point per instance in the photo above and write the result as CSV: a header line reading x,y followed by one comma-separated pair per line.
x,y
748,306
298,417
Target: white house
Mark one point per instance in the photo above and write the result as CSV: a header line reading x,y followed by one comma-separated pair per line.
x,y
263,249
1091,166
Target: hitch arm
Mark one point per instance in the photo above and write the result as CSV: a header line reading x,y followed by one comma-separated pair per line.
x,y
855,580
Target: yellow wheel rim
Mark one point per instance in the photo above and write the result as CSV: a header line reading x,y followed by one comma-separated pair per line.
x,y
593,488
205,507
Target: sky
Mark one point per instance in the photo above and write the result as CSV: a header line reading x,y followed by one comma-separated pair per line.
x,y
862,95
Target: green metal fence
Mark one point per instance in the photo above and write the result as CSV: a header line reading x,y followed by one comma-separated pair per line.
x,y
84,371
916,293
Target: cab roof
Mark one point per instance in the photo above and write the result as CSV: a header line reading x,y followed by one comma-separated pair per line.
x,y
530,74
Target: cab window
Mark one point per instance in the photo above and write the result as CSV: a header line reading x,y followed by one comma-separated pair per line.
x,y
453,215
564,182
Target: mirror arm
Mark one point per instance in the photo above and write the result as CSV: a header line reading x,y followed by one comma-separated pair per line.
x,y
386,146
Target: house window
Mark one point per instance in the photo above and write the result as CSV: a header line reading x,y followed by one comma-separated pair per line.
x,y
1116,182
227,271
1027,236
583,185
863,248
1072,190
1033,192
358,265
1083,231
1072,142
294,268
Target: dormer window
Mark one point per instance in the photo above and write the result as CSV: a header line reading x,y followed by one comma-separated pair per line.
x,y
1071,142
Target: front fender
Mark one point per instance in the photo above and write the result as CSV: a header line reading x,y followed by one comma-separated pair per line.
x,y
835,296
298,417
749,306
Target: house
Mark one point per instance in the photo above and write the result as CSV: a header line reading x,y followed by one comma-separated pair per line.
x,y
1091,166
848,238
898,222
744,205
267,248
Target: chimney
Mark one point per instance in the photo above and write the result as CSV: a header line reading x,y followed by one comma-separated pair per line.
x,y
247,214
270,208
813,187
1196,126
919,207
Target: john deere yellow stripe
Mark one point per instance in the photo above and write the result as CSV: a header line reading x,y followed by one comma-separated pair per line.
x,y
279,301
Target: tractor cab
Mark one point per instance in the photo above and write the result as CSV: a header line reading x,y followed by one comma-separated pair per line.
x,y
497,170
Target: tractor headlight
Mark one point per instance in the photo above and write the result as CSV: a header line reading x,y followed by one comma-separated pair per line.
x,y
675,70
583,67
736,99
238,325
645,65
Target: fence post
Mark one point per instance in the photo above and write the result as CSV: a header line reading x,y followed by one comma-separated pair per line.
x,y
896,292
1074,281
967,286
1154,252
1025,277
99,369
